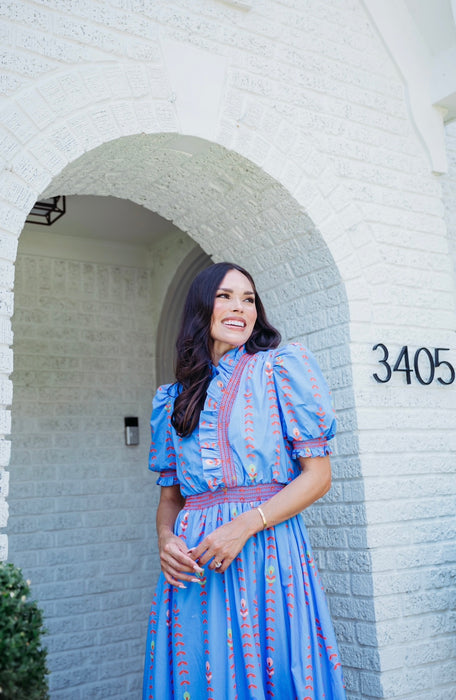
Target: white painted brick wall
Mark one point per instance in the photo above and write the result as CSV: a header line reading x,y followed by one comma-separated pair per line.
x,y
311,98
81,502
449,189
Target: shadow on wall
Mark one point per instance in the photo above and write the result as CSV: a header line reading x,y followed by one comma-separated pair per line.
x,y
168,327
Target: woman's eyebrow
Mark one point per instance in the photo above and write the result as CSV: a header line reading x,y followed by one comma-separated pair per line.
x,y
226,289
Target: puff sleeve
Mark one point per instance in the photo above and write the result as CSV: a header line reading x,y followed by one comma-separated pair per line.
x,y
304,402
162,456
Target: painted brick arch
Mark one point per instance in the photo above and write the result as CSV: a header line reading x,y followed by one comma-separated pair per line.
x,y
235,210
75,111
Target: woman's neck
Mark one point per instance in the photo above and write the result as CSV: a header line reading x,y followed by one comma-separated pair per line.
x,y
218,350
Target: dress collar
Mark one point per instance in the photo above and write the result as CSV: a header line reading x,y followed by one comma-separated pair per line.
x,y
228,361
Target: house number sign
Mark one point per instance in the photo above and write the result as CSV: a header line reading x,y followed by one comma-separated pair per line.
x,y
427,365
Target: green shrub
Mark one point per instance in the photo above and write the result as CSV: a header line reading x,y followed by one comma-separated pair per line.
x,y
23,671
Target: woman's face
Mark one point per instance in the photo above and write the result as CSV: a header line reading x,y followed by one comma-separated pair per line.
x,y
234,314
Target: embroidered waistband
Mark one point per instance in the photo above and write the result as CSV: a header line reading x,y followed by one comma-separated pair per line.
x,y
237,494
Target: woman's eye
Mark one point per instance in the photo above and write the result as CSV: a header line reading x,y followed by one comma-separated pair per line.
x,y
251,300
222,295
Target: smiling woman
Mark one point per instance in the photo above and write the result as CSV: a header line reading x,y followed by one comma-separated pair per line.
x,y
234,314
195,342
240,442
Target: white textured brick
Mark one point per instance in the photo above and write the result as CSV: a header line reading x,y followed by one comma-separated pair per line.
x,y
3,513
6,363
8,242
6,271
27,169
65,141
11,221
6,391
9,146
54,159
37,108
3,547
105,122
4,483
17,123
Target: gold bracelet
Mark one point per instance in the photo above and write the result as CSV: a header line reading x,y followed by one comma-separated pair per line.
x,y
265,522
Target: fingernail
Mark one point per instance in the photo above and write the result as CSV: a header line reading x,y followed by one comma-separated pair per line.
x,y
182,585
198,569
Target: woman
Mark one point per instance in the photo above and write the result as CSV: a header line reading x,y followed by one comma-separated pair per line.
x,y
240,441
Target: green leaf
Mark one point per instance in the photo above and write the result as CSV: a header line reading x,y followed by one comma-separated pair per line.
x,y
23,670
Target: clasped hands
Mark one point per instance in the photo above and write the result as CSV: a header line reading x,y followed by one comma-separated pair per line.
x,y
218,549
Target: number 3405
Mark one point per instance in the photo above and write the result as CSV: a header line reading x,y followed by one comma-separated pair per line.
x,y
425,363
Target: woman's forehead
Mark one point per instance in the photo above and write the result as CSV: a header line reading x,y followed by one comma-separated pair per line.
x,y
234,279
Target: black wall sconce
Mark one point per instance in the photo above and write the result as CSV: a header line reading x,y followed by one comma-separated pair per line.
x,y
131,431
46,211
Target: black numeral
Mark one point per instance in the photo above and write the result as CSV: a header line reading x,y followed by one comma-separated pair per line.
x,y
384,363
403,356
416,364
439,362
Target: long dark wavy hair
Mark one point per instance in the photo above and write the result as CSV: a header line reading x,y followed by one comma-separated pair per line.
x,y
194,343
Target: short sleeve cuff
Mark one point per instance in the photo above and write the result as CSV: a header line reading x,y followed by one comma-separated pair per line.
x,y
168,477
311,448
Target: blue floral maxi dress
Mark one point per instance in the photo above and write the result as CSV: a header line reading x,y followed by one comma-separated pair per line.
x,y
261,629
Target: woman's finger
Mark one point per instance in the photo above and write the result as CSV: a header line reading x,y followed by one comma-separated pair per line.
x,y
176,578
197,553
174,556
225,564
173,581
175,571
206,557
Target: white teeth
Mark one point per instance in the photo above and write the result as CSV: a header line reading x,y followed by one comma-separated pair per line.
x,y
238,324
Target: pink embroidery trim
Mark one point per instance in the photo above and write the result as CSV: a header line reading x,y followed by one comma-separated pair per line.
x,y
317,442
225,409
235,494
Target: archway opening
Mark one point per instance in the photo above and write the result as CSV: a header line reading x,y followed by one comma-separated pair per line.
x,y
232,210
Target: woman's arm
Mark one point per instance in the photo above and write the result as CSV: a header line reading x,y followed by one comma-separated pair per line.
x,y
174,557
225,543
311,485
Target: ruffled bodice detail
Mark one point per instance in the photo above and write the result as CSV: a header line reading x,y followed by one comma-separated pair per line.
x,y
262,413
215,416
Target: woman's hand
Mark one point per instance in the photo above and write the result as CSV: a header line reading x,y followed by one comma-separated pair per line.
x,y
224,543
176,563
